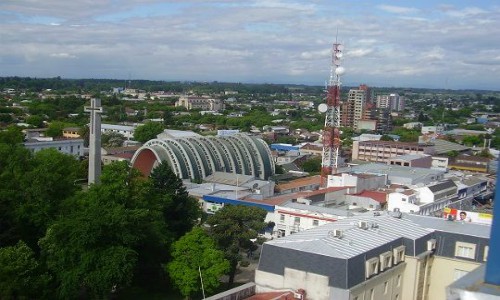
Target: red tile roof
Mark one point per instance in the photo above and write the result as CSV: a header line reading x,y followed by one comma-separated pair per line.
x,y
272,296
300,182
380,197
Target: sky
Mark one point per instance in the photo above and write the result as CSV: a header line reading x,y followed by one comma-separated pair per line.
x,y
421,44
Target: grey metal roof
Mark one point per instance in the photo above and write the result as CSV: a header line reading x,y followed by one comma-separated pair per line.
x,y
318,209
393,170
442,186
465,228
355,240
409,157
442,146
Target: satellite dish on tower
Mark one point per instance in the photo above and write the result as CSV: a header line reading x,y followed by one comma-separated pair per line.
x,y
339,70
340,47
322,108
339,54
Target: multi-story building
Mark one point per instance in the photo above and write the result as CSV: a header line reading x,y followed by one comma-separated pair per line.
x,y
393,102
71,132
352,110
376,256
381,151
68,146
201,103
293,217
426,200
126,131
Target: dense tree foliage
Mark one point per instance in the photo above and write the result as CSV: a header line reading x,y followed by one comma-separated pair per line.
x,y
233,227
313,165
21,276
98,244
148,131
181,210
194,255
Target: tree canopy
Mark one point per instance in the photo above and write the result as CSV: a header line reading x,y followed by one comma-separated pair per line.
x,y
195,255
232,227
147,131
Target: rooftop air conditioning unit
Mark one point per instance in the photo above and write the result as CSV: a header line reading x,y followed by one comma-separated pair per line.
x,y
363,224
336,233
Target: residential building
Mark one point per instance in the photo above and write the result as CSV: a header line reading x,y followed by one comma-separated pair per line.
x,y
299,185
411,160
398,175
71,132
427,200
126,131
382,151
470,163
293,217
68,146
376,256
201,103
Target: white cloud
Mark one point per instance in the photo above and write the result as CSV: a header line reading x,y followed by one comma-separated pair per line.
x,y
271,41
397,9
466,12
62,55
358,52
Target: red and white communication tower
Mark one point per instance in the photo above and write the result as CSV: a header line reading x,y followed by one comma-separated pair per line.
x,y
331,131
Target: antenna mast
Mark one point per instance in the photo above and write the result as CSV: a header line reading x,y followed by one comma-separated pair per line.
x,y
331,132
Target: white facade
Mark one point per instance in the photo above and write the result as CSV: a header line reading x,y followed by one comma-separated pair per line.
x,y
295,217
68,146
126,131
404,202
359,182
440,163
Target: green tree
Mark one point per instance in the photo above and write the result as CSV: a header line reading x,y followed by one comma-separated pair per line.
x,y
180,211
385,137
96,246
55,129
472,140
313,164
232,227
11,135
112,139
147,131
21,276
44,188
35,120
15,162
192,254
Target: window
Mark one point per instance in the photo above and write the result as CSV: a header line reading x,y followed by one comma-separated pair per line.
x,y
396,297
399,254
485,255
465,250
371,267
372,294
398,282
386,287
315,222
385,260
282,218
296,221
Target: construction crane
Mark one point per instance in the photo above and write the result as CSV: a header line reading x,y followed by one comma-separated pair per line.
x,y
331,131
